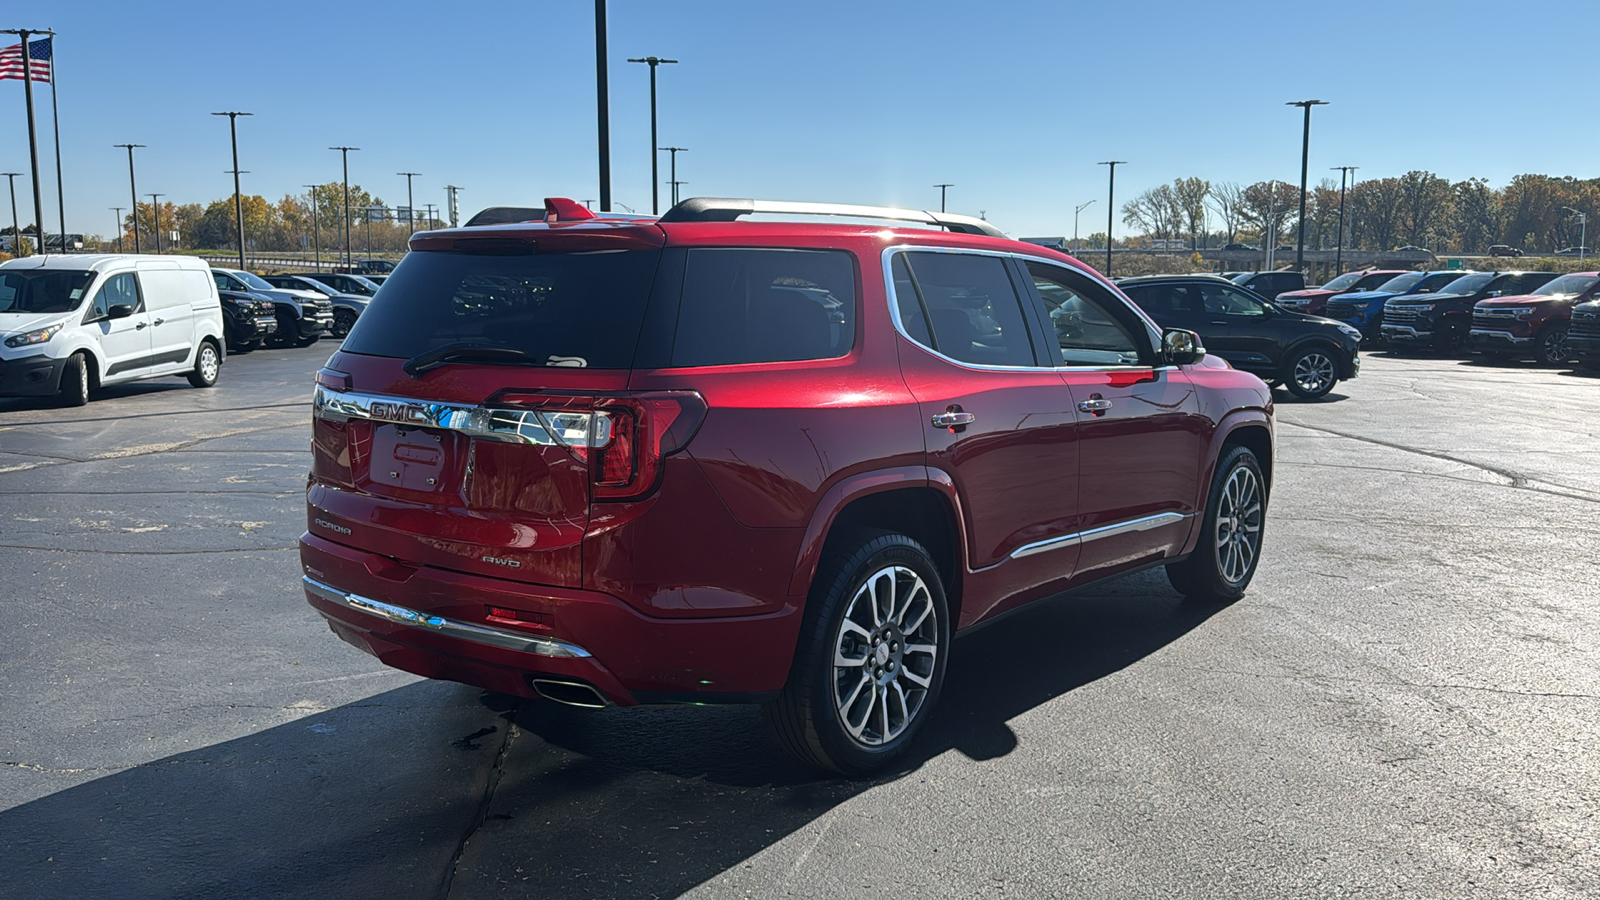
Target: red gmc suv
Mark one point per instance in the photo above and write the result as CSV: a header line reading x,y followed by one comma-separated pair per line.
x,y
695,459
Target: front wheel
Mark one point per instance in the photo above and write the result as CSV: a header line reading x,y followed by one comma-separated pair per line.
x,y
871,656
1550,349
74,389
1451,338
207,365
1311,373
1224,560
343,321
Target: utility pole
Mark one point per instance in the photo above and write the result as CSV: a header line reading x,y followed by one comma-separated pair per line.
x,y
453,211
133,189
942,188
16,233
1081,208
1111,205
344,153
238,205
672,179
316,240
33,138
1305,158
655,174
116,209
1338,254
1583,233
411,212
155,211
430,215
603,95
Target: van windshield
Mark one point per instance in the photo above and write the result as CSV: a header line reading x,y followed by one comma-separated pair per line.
x,y
560,309
42,290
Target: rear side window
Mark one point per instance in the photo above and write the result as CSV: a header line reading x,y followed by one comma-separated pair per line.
x,y
561,309
750,305
972,307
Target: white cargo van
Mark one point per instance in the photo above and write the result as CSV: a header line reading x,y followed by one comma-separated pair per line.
x,y
70,324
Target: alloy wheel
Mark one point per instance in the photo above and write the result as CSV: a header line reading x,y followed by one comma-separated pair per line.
x,y
1314,372
1553,348
884,656
1238,527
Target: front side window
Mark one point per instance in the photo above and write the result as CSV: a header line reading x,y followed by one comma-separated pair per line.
x,y
1225,301
1467,284
972,308
118,290
750,305
1372,281
1086,328
1401,283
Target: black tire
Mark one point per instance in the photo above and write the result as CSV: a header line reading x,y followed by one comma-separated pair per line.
x,y
343,321
288,329
1311,372
308,341
809,716
75,382
1451,338
207,364
1550,347
1212,573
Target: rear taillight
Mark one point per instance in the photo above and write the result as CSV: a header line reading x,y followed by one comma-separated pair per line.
x,y
622,439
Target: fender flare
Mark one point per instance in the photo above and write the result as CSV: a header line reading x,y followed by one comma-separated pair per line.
x,y
1247,417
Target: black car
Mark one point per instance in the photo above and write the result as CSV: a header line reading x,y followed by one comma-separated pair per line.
x,y
1271,284
1306,354
1443,320
1238,247
303,316
347,307
1583,334
248,321
342,282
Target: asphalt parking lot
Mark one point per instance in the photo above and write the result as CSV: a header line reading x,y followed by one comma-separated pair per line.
x,y
1407,702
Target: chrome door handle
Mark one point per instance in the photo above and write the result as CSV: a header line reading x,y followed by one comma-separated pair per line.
x,y
952,419
1097,405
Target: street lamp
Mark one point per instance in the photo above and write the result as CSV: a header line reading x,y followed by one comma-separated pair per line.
x,y
411,213
673,177
1338,254
603,97
1081,208
942,188
655,177
116,209
344,153
238,206
155,211
1111,205
134,190
316,240
453,211
1583,232
1305,157
16,233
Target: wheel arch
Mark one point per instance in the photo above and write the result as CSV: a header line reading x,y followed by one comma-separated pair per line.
x,y
1252,428
1341,358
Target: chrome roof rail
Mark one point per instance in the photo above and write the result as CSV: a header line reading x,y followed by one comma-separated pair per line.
x,y
722,209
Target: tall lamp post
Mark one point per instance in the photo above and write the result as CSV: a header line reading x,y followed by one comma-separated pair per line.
x,y
155,212
115,209
942,188
1305,158
16,233
1338,254
344,153
411,213
238,206
1583,232
672,179
655,176
1081,208
316,240
453,211
603,96
133,189
1111,205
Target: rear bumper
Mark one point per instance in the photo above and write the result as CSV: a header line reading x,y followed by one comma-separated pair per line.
x,y
30,376
435,623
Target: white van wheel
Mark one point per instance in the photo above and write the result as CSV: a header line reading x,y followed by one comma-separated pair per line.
x,y
75,381
207,365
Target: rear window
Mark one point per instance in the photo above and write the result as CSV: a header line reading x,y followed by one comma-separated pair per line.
x,y
765,305
565,309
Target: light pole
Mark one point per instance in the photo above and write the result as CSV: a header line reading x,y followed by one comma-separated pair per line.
x,y
655,175
1305,158
1583,232
134,190
1111,205
450,191
316,240
238,206
942,188
16,233
116,209
26,48
603,96
155,211
673,177
430,215
1338,254
675,185
344,153
411,213
1081,208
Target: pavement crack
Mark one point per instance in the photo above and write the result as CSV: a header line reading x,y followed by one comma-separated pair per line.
x,y
1444,686
491,784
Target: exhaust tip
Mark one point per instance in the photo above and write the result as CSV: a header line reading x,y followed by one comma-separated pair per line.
x,y
569,693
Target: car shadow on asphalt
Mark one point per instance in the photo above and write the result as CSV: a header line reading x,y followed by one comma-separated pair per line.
x,y
616,803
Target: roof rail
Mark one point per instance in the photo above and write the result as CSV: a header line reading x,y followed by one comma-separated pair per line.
x,y
722,209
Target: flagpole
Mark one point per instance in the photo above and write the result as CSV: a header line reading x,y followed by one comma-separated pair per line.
x,y
55,115
33,136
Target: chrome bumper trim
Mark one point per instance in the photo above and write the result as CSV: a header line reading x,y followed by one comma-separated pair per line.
x,y
466,631
1094,534
513,426
1500,335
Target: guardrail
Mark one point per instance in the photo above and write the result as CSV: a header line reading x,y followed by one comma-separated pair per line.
x,y
253,261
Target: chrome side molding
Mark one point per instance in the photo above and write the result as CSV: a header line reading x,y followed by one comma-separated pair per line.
x,y
1094,534
466,631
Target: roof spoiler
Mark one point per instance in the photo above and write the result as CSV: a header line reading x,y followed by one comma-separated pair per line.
x,y
721,209
506,215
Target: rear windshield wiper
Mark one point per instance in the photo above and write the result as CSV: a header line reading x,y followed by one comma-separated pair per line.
x,y
465,351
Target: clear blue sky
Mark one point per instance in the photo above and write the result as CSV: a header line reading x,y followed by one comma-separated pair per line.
x,y
863,102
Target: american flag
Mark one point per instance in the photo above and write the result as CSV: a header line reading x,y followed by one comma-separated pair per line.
x,y
38,59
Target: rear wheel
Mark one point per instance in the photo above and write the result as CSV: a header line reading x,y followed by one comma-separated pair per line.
x,y
871,656
74,390
1224,561
343,320
1550,348
207,365
1311,373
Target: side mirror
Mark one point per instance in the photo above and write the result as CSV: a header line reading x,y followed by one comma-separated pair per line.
x,y
119,311
1181,348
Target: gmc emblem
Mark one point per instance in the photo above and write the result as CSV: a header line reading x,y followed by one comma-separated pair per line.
x,y
398,412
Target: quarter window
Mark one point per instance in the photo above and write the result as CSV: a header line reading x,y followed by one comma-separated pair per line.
x,y
971,305
1086,326
758,305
